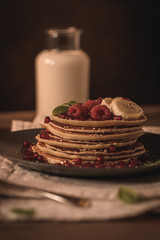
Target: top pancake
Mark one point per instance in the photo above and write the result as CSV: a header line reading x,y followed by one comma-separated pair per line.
x,y
106,123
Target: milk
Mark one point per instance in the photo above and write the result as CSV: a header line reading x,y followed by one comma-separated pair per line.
x,y
61,76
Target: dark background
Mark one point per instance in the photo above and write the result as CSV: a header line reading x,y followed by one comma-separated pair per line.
x,y
121,38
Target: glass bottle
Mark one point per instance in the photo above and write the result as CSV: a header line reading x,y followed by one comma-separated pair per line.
x,y
61,71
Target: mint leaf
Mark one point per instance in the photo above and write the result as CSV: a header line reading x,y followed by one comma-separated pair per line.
x,y
70,103
152,163
148,164
24,212
128,196
60,110
157,162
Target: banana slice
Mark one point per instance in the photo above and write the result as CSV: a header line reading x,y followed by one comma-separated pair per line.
x,y
107,101
126,108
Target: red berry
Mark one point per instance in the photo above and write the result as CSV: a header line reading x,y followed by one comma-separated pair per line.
x,y
63,115
88,165
90,104
112,165
77,160
40,158
112,148
99,159
67,164
133,163
121,164
46,131
47,119
117,118
126,98
99,166
99,100
44,136
100,112
26,144
76,111
35,155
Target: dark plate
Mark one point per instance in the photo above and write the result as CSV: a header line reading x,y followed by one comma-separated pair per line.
x,y
11,148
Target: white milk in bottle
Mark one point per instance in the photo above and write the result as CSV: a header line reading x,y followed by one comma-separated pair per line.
x,y
62,71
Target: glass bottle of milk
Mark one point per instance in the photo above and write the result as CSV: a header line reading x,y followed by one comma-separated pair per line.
x,y
61,71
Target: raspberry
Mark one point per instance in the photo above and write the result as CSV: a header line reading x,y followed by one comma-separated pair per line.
x,y
100,112
77,111
90,104
47,119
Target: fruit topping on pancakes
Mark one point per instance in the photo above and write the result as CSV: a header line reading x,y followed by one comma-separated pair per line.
x,y
77,112
100,112
100,133
126,108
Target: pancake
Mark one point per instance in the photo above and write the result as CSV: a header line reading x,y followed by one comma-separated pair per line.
x,y
59,157
109,123
65,139
90,155
57,141
60,161
94,130
92,137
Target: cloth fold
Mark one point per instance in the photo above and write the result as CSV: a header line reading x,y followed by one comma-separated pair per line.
x,y
102,192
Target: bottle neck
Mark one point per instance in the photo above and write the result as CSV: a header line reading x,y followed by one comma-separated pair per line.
x,y
63,39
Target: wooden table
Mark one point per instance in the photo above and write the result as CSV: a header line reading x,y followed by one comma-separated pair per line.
x,y
144,227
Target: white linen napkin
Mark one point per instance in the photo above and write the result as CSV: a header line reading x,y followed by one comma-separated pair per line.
x,y
102,192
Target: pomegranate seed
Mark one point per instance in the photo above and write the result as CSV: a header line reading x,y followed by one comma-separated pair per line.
x,y
100,158
99,166
68,164
44,136
117,118
28,151
46,131
112,165
77,160
47,119
78,165
99,161
133,163
112,148
40,158
29,157
35,155
65,163
26,144
121,164
99,100
58,164
63,115
88,165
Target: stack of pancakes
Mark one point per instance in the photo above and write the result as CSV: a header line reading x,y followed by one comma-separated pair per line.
x,y
110,141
